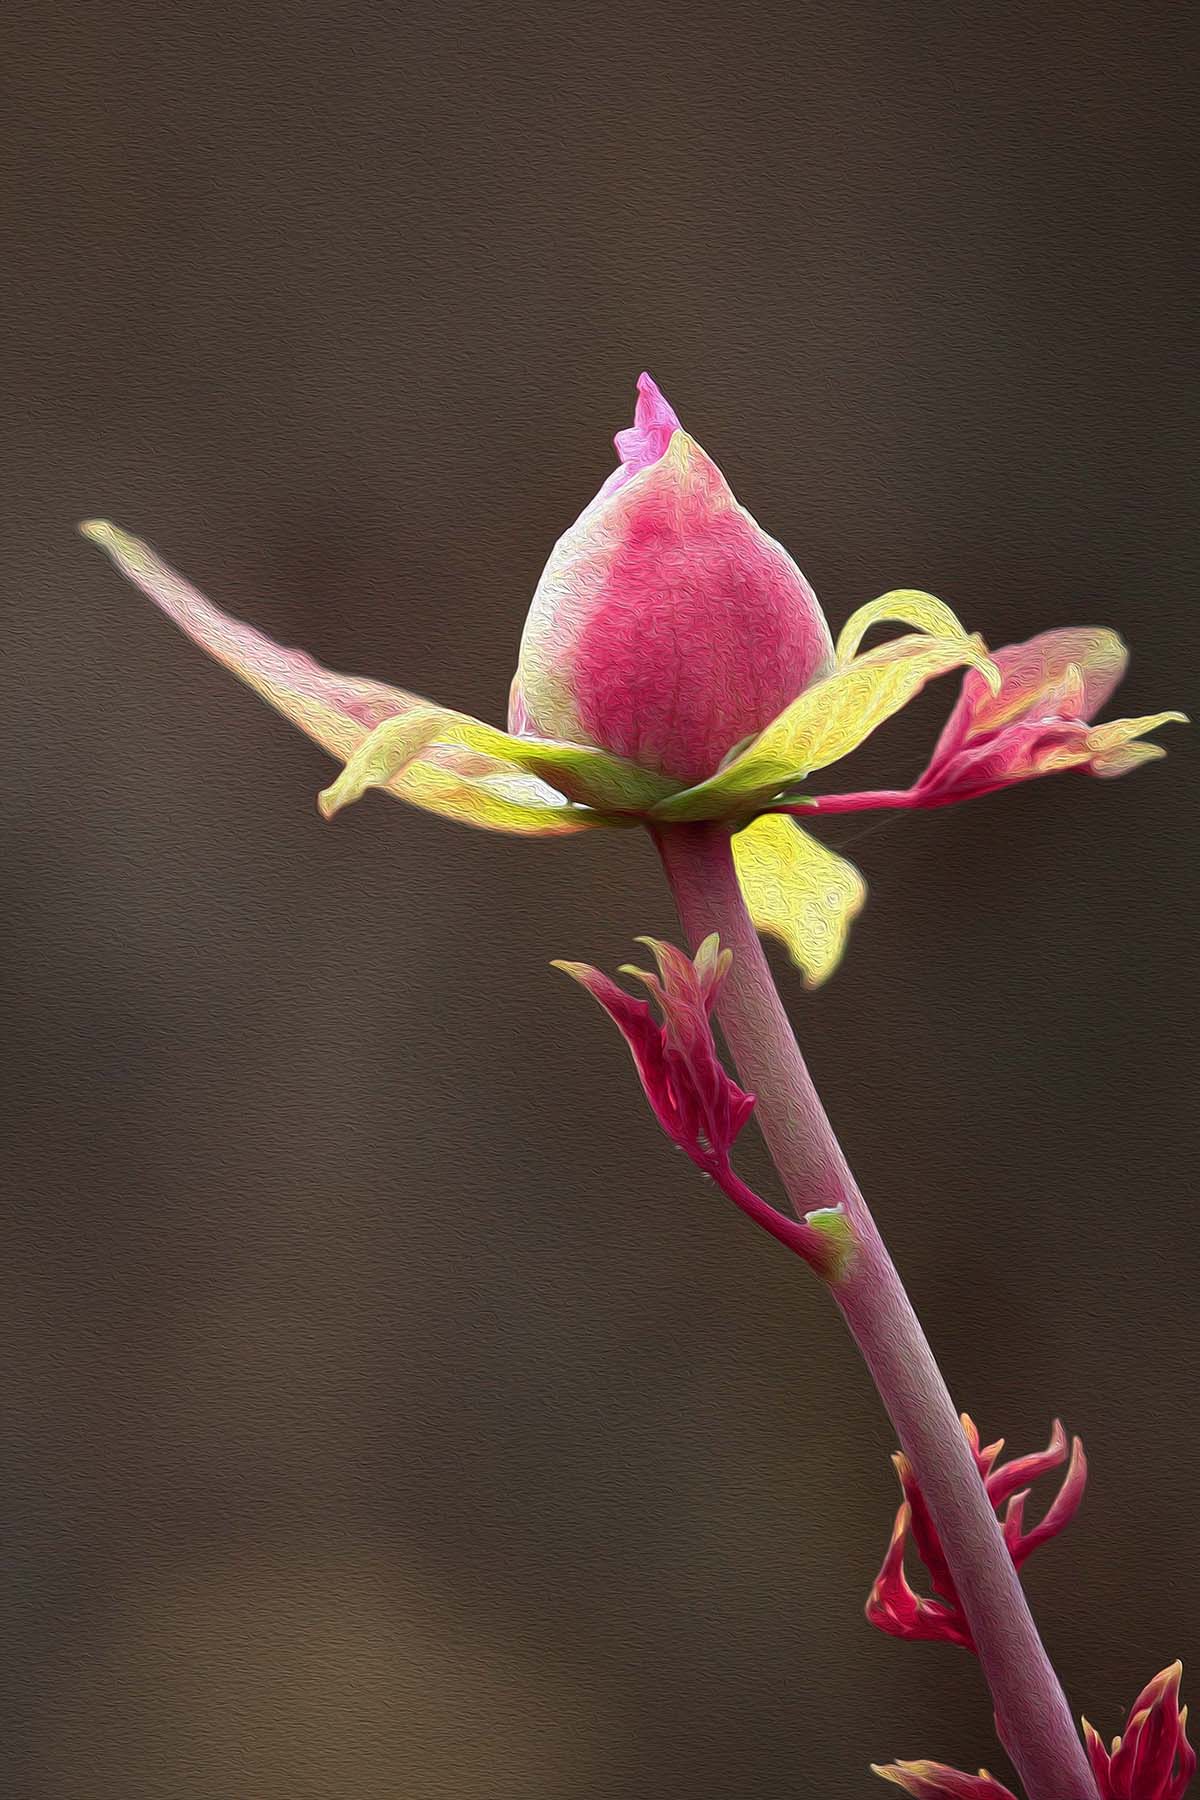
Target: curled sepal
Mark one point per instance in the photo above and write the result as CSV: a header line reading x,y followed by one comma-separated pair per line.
x,y
1040,721
1062,1509
581,773
895,1607
934,1781
1152,1758
902,606
699,1106
826,722
800,891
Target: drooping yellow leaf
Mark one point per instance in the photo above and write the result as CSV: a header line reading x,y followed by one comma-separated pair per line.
x,y
799,890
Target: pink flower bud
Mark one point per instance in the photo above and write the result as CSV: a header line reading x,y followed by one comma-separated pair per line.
x,y
894,1606
667,626
1152,1759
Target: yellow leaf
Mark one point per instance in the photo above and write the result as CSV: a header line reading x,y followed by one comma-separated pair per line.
x,y
826,722
903,606
800,891
580,771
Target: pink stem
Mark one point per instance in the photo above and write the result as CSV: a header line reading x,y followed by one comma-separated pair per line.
x,y
1031,1710
797,1234
870,800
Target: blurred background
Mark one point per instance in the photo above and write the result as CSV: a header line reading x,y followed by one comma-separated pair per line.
x,y
388,1414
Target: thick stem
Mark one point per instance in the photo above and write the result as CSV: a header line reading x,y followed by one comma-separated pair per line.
x,y
1031,1710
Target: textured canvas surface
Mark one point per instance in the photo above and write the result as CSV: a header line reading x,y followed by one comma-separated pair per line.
x,y
387,1411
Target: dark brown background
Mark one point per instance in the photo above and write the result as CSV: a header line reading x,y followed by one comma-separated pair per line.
x,y
389,1413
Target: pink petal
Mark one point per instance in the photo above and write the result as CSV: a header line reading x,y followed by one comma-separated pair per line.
x,y
893,1605
1010,1476
1062,1508
1030,672
637,1026
679,1072
985,1456
1153,1759
643,442
924,1531
1017,752
1098,1757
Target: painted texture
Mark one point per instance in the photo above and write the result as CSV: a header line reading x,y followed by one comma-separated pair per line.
x,y
676,667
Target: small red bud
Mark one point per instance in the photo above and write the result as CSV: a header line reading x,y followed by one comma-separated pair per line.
x,y
893,1605
699,1106
1151,1759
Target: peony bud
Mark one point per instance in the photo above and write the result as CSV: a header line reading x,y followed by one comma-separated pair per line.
x,y
667,626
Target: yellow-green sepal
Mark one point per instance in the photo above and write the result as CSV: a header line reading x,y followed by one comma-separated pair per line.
x,y
588,778
826,722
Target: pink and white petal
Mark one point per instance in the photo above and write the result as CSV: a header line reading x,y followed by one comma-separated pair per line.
x,y
799,891
643,442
